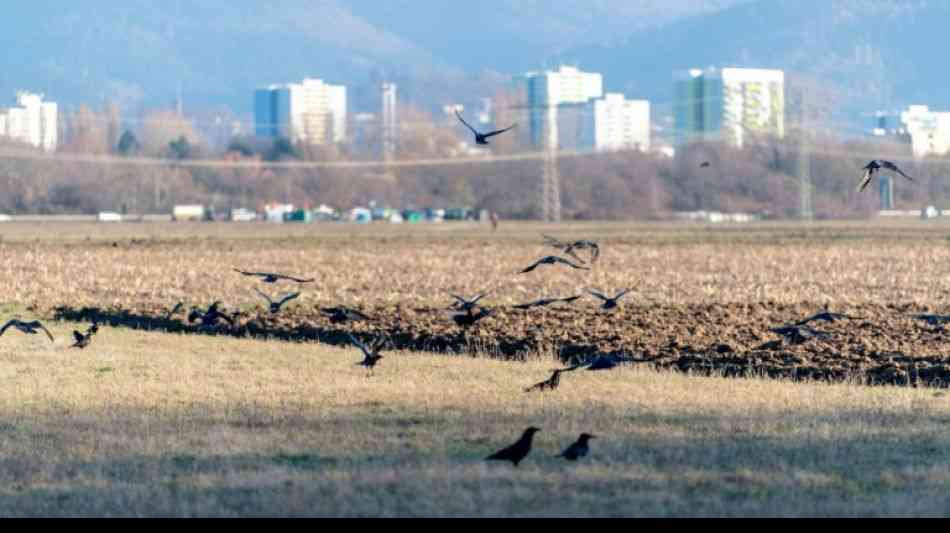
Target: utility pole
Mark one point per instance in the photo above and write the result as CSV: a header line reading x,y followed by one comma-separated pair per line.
x,y
806,190
550,179
388,113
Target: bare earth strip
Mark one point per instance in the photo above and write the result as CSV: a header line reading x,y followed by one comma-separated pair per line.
x,y
703,298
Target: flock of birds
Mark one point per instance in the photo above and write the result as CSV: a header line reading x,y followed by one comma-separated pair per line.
x,y
468,312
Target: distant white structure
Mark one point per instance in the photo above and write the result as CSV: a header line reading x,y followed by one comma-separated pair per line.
x,y
548,92
32,121
310,112
929,130
728,104
615,123
388,109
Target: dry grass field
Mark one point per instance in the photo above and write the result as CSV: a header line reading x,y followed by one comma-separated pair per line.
x,y
160,418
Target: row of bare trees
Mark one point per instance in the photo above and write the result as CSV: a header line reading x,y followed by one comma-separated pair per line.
x,y
762,178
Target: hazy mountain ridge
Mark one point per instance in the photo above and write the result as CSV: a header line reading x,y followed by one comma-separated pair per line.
x,y
876,53
141,51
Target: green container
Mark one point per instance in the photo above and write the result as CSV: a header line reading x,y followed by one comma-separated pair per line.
x,y
300,215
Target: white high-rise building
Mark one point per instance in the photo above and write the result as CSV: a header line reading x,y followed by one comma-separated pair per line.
x,y
929,130
549,91
615,123
32,121
311,112
729,104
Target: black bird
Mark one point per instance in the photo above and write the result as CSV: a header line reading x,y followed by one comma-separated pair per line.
x,y
609,303
933,320
569,247
579,449
875,166
704,164
275,306
343,314
546,301
210,317
552,260
468,319
268,277
482,138
461,304
83,340
584,245
517,451
552,382
174,310
26,327
825,316
799,334
371,353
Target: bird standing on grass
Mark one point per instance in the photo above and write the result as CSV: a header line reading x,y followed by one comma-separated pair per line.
x,y
579,449
26,327
83,340
517,451
552,382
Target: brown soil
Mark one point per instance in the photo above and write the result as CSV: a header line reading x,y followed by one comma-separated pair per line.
x,y
885,346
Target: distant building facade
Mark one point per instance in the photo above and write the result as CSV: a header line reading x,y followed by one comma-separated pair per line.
x,y
31,121
929,131
551,92
616,123
310,112
729,104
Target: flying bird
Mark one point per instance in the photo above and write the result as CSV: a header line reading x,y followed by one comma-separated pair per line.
x,y
83,340
609,303
517,451
552,260
875,166
569,247
468,319
26,327
825,316
343,314
371,353
268,277
275,306
482,138
463,304
704,164
799,334
210,317
545,301
579,449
